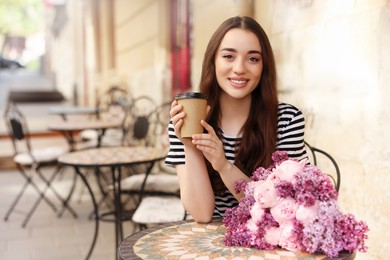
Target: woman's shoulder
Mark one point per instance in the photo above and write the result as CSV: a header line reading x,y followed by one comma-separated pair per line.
x,y
287,107
288,112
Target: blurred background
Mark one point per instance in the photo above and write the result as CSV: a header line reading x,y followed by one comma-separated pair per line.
x,y
333,62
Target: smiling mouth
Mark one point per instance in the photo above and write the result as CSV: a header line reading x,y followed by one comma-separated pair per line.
x,y
236,81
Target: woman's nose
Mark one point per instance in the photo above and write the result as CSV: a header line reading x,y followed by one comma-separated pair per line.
x,y
239,66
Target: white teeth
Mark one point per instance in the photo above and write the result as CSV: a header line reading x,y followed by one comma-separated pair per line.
x,y
238,81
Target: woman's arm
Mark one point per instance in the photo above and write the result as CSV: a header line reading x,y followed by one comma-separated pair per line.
x,y
212,148
195,188
196,191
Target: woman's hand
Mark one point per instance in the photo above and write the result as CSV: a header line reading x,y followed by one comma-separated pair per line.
x,y
177,116
211,147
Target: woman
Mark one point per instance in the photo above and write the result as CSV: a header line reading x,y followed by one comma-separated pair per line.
x,y
245,122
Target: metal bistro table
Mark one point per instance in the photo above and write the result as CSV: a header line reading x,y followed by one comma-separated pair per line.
x,y
191,240
115,158
64,112
69,128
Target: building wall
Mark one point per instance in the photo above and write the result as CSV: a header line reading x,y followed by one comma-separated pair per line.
x,y
142,45
93,53
65,49
207,15
333,60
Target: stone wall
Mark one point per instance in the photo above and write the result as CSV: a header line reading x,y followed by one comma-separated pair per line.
x,y
333,60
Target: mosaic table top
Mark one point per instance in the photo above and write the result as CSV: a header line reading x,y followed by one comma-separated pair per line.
x,y
191,240
111,156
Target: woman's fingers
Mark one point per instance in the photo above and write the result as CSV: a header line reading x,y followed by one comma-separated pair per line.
x,y
208,127
176,112
209,143
206,139
177,116
175,108
211,146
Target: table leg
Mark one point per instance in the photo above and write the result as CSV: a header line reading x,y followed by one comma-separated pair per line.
x,y
116,180
99,176
85,181
69,136
100,137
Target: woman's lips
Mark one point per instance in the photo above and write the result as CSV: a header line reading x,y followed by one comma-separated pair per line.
x,y
238,82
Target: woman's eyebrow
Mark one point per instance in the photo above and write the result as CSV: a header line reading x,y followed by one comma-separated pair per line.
x,y
229,49
254,51
234,50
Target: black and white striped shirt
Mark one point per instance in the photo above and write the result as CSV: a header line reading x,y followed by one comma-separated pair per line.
x,y
290,138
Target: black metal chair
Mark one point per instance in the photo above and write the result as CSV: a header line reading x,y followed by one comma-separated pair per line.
x,y
152,198
326,163
31,162
138,122
113,104
157,194
137,129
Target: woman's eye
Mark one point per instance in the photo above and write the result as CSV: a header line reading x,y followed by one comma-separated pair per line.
x,y
228,56
254,59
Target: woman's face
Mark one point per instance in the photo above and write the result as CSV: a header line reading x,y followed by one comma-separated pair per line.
x,y
238,63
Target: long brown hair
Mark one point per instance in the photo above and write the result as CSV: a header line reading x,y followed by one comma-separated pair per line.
x,y
259,133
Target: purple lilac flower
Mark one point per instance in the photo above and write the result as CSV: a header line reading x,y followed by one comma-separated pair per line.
x,y
285,189
298,232
240,186
260,174
279,156
353,233
305,198
319,236
268,221
312,184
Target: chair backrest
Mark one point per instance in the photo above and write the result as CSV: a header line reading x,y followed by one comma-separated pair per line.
x,y
17,129
138,127
113,103
160,125
161,135
325,162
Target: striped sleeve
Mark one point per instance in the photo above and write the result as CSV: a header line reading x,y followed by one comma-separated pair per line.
x,y
291,129
223,202
176,148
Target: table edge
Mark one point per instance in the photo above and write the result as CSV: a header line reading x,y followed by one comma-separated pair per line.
x,y
135,236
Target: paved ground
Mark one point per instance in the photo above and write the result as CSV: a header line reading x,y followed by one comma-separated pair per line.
x,y
46,236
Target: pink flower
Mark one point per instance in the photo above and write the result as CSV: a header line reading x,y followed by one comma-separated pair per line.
x,y
252,230
288,237
251,225
287,170
285,210
257,212
307,214
265,194
272,236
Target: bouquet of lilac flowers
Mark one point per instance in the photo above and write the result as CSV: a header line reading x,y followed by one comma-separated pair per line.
x,y
292,205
